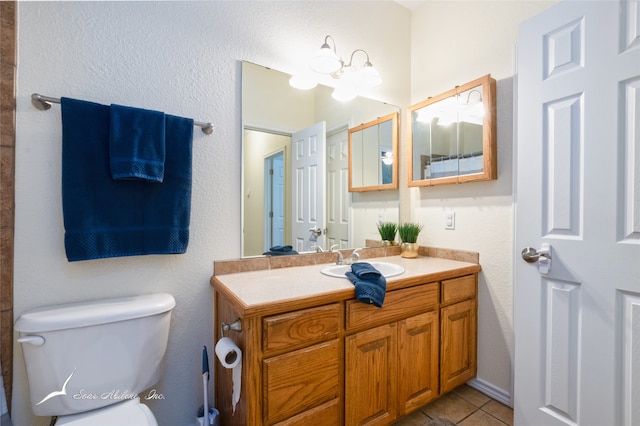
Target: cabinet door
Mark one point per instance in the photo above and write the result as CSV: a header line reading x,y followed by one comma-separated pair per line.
x,y
303,383
371,378
418,345
458,350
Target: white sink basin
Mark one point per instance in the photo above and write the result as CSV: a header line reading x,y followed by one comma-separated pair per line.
x,y
385,268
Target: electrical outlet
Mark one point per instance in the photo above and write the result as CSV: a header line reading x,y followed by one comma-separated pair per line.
x,y
450,220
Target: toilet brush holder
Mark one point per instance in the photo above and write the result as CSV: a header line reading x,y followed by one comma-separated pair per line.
x,y
214,417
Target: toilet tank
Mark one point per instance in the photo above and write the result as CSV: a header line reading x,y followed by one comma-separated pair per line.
x,y
83,356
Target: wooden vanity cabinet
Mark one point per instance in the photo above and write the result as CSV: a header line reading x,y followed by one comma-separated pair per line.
x,y
391,369
458,347
348,363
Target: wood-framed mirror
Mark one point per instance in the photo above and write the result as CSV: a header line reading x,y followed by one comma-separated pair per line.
x,y
453,135
373,158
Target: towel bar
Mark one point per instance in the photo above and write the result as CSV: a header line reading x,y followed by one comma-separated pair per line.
x,y
44,103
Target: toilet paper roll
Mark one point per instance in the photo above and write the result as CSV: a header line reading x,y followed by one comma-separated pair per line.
x,y
230,356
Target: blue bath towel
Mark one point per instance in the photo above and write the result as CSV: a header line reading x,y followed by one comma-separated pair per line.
x,y
136,143
104,217
370,284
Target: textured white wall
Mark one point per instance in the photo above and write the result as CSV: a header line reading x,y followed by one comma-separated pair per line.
x,y
451,44
182,58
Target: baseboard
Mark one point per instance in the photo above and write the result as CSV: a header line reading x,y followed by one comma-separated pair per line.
x,y
491,391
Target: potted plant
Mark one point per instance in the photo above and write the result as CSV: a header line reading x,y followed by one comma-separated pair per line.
x,y
387,232
409,236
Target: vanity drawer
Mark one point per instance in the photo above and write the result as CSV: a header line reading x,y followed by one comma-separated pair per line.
x,y
299,328
458,289
301,381
397,304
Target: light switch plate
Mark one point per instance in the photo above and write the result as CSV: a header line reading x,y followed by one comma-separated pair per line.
x,y
450,220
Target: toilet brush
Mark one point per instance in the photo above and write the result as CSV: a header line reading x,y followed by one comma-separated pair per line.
x,y
211,418
205,380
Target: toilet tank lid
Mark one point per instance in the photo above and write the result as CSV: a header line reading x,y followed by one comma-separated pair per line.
x,y
93,312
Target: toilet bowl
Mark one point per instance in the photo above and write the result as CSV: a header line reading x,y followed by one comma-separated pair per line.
x,y
87,363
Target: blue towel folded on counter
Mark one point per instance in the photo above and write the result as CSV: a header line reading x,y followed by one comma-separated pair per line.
x,y
364,270
370,284
136,143
280,251
104,217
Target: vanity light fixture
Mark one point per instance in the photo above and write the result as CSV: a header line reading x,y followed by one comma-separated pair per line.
x,y
327,61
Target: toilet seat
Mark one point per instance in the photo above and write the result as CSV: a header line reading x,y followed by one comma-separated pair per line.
x,y
128,413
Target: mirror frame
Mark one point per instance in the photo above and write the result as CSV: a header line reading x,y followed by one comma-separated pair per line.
x,y
393,117
489,134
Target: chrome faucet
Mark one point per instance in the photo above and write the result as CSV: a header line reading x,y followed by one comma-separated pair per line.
x,y
340,260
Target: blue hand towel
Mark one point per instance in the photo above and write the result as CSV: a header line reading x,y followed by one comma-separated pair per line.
x,y
104,217
370,288
136,143
364,270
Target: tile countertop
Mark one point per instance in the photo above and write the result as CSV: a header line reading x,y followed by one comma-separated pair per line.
x,y
274,290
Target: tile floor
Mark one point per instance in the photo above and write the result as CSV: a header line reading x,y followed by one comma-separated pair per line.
x,y
464,406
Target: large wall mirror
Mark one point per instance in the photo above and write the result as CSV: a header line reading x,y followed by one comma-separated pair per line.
x,y
373,149
309,205
453,136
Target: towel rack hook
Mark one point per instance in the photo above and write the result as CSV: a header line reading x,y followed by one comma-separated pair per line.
x,y
41,102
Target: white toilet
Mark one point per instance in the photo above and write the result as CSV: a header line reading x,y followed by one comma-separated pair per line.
x,y
88,362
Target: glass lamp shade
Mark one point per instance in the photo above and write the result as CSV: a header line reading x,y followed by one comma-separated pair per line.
x,y
325,61
367,77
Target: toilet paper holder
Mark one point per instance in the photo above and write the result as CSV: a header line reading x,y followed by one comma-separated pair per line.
x,y
234,326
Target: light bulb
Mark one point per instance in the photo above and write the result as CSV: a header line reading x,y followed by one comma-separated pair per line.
x,y
303,81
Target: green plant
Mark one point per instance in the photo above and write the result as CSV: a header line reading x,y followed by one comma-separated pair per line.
x,y
409,232
387,231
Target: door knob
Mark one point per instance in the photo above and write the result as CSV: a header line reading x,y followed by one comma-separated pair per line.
x,y
531,255
543,257
316,231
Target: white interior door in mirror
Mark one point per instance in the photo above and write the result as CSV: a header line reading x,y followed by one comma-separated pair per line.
x,y
338,199
308,192
274,200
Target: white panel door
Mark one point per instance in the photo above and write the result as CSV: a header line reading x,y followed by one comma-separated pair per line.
x,y
338,197
274,191
577,326
308,182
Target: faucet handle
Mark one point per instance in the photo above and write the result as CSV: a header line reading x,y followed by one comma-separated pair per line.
x,y
340,259
355,255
